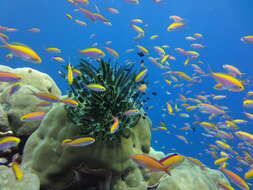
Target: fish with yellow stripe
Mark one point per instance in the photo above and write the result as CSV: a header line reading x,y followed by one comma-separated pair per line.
x,y
23,51
149,162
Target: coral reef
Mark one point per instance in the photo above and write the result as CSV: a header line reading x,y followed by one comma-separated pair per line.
x,y
187,176
48,165
96,109
97,159
22,102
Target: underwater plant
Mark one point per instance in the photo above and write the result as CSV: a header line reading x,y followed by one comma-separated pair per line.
x,y
97,109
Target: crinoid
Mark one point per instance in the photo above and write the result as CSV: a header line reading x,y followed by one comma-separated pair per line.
x,y
95,112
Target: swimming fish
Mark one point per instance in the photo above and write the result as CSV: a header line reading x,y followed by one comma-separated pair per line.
x,y
149,162
176,18
225,186
249,173
234,178
248,39
8,142
58,59
44,104
172,160
53,50
79,142
14,88
112,52
142,49
96,87
115,126
247,103
142,88
32,116
220,160
140,76
33,30
23,51
93,53
210,108
223,145
196,162
9,77
46,97
70,74
132,112
245,136
175,25
69,102
113,10
137,28
232,70
80,22
17,170
228,81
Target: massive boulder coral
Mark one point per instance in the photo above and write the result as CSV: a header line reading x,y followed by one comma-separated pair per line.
x,y
188,176
57,165
22,102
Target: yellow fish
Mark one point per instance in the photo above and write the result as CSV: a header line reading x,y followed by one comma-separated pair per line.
x,y
141,75
70,74
229,82
17,171
23,51
175,25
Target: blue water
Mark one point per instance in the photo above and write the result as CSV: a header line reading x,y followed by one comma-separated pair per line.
x,y
222,22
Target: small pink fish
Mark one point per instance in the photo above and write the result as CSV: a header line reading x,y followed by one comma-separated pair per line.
x,y
176,18
113,10
198,46
33,30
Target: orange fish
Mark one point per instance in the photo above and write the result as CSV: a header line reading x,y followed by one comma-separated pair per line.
x,y
172,160
46,97
234,178
149,162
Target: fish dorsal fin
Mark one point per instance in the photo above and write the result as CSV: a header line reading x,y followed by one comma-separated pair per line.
x,y
166,157
19,44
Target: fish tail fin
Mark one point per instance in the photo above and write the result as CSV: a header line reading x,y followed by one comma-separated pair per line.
x,y
167,170
223,166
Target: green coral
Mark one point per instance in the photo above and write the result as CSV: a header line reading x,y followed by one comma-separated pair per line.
x,y
96,110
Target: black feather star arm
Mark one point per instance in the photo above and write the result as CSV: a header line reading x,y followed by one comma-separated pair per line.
x,y
95,112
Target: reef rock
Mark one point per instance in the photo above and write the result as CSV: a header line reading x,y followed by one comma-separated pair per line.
x,y
22,102
187,176
9,182
57,165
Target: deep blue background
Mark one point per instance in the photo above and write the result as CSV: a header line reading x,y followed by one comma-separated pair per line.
x,y
222,22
